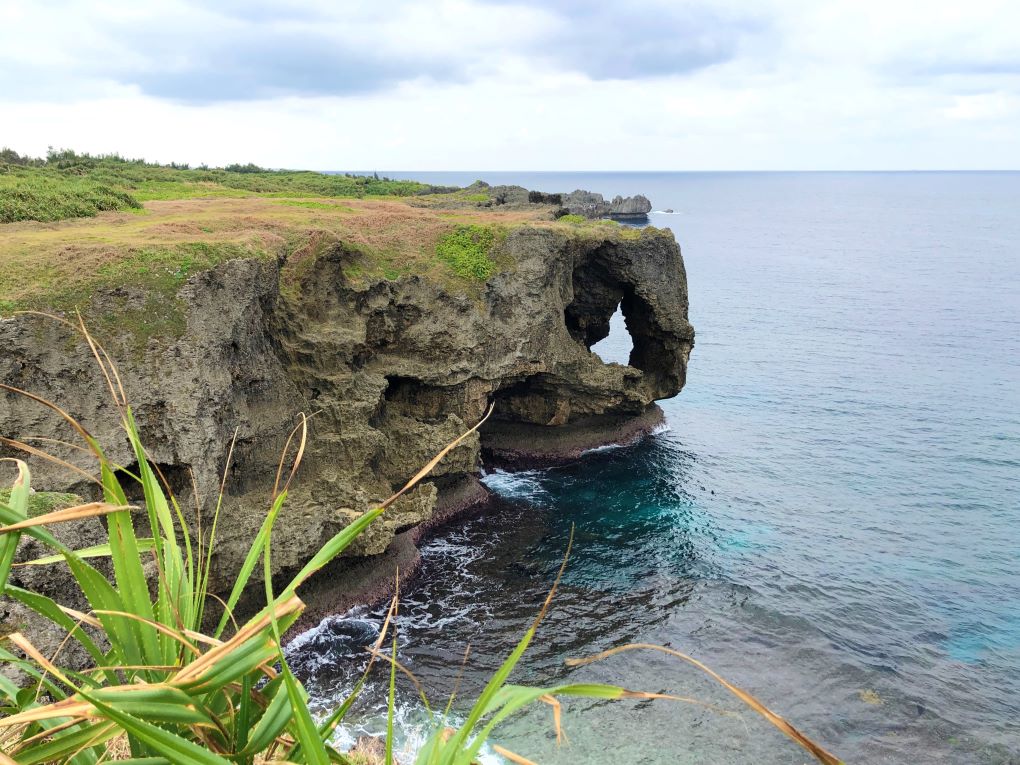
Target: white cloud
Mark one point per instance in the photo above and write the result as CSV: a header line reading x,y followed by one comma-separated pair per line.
x,y
465,84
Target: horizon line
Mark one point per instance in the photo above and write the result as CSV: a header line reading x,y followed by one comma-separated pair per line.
x,y
692,172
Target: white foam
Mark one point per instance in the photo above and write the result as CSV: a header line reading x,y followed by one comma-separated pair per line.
x,y
523,484
411,726
603,448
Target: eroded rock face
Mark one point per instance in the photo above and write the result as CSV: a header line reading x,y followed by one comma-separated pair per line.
x,y
592,205
392,371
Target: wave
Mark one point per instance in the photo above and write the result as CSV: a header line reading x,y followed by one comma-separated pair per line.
x,y
603,448
523,484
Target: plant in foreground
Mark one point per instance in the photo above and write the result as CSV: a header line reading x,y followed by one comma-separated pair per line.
x,y
167,692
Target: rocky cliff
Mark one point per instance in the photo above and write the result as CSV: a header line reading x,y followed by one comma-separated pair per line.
x,y
390,368
592,205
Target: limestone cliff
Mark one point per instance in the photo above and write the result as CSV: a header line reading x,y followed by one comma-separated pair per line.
x,y
390,369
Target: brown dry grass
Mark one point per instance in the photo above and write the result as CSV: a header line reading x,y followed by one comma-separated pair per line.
x,y
39,262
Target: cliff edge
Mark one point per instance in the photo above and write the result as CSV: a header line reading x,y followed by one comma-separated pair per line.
x,y
391,366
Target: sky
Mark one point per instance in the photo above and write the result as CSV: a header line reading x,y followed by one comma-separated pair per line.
x,y
518,84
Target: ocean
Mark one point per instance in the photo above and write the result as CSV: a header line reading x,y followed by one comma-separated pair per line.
x,y
830,519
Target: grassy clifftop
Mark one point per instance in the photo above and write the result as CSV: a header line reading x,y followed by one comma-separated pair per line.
x,y
68,185
73,227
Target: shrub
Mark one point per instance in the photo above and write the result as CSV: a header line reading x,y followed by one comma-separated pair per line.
x,y
51,197
466,250
69,184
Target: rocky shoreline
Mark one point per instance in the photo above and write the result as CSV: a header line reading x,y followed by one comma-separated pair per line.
x,y
521,447
371,581
394,368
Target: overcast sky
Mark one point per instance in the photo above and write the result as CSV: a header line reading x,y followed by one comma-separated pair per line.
x,y
518,85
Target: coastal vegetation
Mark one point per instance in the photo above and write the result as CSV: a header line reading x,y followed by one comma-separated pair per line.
x,y
68,184
466,250
84,225
169,681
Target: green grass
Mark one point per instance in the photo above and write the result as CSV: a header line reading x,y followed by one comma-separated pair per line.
x,y
467,250
309,204
150,306
32,194
71,186
158,273
42,502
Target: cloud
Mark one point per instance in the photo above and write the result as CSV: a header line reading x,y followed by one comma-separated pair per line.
x,y
262,63
191,52
653,84
642,38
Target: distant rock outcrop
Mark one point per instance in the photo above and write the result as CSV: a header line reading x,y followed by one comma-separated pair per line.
x,y
587,204
630,208
592,205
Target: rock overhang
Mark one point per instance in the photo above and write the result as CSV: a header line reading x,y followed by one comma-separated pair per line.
x,y
394,369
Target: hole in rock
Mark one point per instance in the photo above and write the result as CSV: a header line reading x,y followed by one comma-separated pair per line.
x,y
177,476
617,346
412,397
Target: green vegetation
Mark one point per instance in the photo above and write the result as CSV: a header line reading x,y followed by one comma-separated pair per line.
x,y
313,205
32,194
466,250
152,272
67,184
580,220
42,502
157,273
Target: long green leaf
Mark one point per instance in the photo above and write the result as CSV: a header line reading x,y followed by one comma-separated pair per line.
x,y
334,547
9,516
94,586
178,749
67,742
30,668
175,597
128,571
134,589
123,637
145,544
18,505
512,698
250,561
391,704
458,740
48,608
276,717
303,727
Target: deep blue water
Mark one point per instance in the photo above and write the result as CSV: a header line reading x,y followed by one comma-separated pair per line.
x,y
832,520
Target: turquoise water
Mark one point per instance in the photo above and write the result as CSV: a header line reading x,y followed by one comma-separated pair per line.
x,y
831,521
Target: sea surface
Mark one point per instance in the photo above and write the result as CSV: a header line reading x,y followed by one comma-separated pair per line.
x,y
831,520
